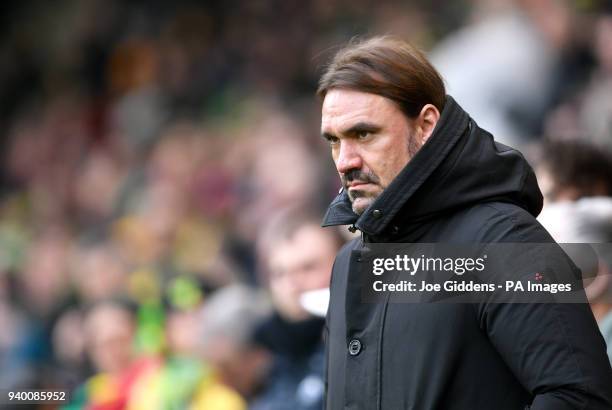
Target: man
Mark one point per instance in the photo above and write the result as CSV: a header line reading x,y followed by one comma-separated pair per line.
x,y
588,220
110,329
226,342
571,169
297,257
416,168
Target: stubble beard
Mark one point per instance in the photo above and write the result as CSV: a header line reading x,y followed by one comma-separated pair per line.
x,y
358,195
361,200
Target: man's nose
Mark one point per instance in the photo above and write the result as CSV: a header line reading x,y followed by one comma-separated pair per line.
x,y
348,158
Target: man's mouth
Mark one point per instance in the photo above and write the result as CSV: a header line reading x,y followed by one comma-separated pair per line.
x,y
356,184
357,180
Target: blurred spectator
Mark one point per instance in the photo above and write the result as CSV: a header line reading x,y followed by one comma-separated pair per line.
x,y
181,376
16,367
574,175
571,169
596,112
588,221
69,348
110,329
297,255
227,329
100,261
506,90
587,109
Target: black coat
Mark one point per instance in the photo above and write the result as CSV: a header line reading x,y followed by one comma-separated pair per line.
x,y
295,379
460,187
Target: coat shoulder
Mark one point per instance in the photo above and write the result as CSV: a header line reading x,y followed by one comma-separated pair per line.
x,y
498,222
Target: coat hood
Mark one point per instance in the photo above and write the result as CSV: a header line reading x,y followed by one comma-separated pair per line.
x,y
460,165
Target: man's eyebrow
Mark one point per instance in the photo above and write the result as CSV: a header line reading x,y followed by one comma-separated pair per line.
x,y
362,126
353,129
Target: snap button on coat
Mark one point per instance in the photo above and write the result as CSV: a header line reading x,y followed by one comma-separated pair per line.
x,y
354,347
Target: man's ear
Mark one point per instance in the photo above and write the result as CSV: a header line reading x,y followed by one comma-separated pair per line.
x,y
426,121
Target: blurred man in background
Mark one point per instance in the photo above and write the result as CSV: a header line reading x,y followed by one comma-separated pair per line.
x,y
575,178
570,169
588,221
227,342
110,329
297,257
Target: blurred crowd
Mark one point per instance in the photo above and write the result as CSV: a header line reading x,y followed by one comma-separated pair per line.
x,y
162,179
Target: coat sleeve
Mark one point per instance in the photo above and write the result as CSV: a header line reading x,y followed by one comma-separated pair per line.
x,y
555,349
556,352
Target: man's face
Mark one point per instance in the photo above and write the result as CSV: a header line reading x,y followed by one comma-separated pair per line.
x,y
371,141
243,368
110,332
300,264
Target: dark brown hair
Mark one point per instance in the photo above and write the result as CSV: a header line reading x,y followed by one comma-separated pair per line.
x,y
577,164
388,67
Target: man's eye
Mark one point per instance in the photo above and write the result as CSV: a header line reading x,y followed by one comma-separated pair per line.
x,y
362,134
332,140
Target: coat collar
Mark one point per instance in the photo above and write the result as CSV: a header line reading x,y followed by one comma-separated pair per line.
x,y
451,125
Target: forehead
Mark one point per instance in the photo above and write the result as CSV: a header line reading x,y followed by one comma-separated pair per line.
x,y
308,243
343,107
